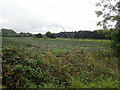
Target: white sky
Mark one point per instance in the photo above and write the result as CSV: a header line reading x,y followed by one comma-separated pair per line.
x,y
48,15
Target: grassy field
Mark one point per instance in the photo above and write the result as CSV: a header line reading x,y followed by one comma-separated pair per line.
x,y
58,63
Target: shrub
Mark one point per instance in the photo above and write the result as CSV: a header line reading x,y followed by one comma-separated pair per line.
x,y
18,68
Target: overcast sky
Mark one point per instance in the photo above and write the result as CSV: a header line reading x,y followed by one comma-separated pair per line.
x,y
40,16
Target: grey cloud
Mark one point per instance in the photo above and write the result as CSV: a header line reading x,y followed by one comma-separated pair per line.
x,y
22,21
47,15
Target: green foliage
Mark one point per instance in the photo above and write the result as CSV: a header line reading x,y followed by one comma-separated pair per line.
x,y
99,84
50,35
17,69
8,32
99,13
22,34
97,34
116,42
39,35
11,33
110,12
105,84
41,65
77,84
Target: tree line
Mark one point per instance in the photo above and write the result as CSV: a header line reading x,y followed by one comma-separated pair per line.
x,y
96,34
12,33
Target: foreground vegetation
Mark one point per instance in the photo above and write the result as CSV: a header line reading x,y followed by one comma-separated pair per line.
x,y
58,63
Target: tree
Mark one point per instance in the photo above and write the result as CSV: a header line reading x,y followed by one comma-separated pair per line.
x,y
39,35
110,11
23,34
50,35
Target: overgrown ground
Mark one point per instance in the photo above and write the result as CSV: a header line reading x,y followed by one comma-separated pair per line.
x,y
58,63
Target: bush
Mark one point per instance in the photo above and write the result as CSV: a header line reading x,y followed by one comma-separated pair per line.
x,y
116,42
18,69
